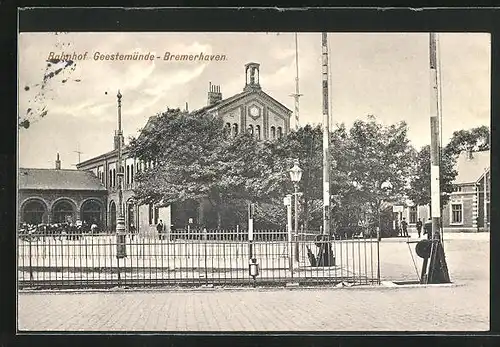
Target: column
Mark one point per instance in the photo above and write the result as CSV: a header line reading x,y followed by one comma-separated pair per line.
x,y
286,127
243,119
475,199
265,124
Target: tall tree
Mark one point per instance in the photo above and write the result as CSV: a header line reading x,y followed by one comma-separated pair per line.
x,y
475,139
196,159
419,190
347,204
378,163
305,145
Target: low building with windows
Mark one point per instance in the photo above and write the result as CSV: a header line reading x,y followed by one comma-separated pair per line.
x,y
60,195
252,109
469,204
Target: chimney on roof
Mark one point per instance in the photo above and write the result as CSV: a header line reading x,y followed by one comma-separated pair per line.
x,y
58,163
214,94
469,153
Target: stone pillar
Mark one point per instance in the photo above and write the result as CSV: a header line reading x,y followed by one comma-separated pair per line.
x,y
475,199
265,123
286,129
243,119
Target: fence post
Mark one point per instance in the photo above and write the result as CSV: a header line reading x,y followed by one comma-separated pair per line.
x,y
30,256
288,204
378,254
205,237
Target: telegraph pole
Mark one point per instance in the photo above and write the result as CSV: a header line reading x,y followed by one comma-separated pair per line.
x,y
79,152
297,94
437,252
326,138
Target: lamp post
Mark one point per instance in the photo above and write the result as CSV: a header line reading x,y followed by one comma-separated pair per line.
x,y
121,251
295,176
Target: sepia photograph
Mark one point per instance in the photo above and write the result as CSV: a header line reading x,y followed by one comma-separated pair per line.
x,y
253,181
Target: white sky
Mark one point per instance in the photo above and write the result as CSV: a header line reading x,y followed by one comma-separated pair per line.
x,y
386,75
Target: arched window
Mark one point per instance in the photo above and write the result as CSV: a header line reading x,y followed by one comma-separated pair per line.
x,y
128,175
63,212
257,132
114,177
34,212
227,129
250,129
131,173
110,181
280,132
235,129
273,132
92,212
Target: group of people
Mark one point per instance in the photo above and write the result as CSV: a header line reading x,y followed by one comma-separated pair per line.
x,y
427,228
70,230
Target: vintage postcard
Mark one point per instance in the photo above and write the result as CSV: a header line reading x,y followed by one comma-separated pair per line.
x,y
253,181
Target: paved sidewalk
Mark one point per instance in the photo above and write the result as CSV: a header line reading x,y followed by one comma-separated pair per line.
x,y
464,306
344,309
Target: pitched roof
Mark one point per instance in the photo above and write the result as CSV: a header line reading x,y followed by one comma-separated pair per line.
x,y
222,102
52,179
217,104
471,169
235,97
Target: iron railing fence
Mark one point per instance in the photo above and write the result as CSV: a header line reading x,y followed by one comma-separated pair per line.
x,y
238,234
214,257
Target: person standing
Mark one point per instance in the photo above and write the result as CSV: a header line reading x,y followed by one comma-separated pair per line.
x,y
404,228
419,227
159,229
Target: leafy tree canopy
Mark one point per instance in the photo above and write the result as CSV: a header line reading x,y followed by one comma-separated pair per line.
x,y
420,182
196,159
475,139
378,161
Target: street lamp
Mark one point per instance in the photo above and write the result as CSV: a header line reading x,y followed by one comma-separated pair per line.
x,y
295,176
121,251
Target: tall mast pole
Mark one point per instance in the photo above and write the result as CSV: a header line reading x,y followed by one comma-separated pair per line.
x,y
326,139
434,121
297,94
435,167
79,152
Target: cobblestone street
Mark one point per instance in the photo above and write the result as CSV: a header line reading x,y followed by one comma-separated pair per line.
x,y
461,306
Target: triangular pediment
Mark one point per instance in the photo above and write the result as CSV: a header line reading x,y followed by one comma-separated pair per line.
x,y
258,98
